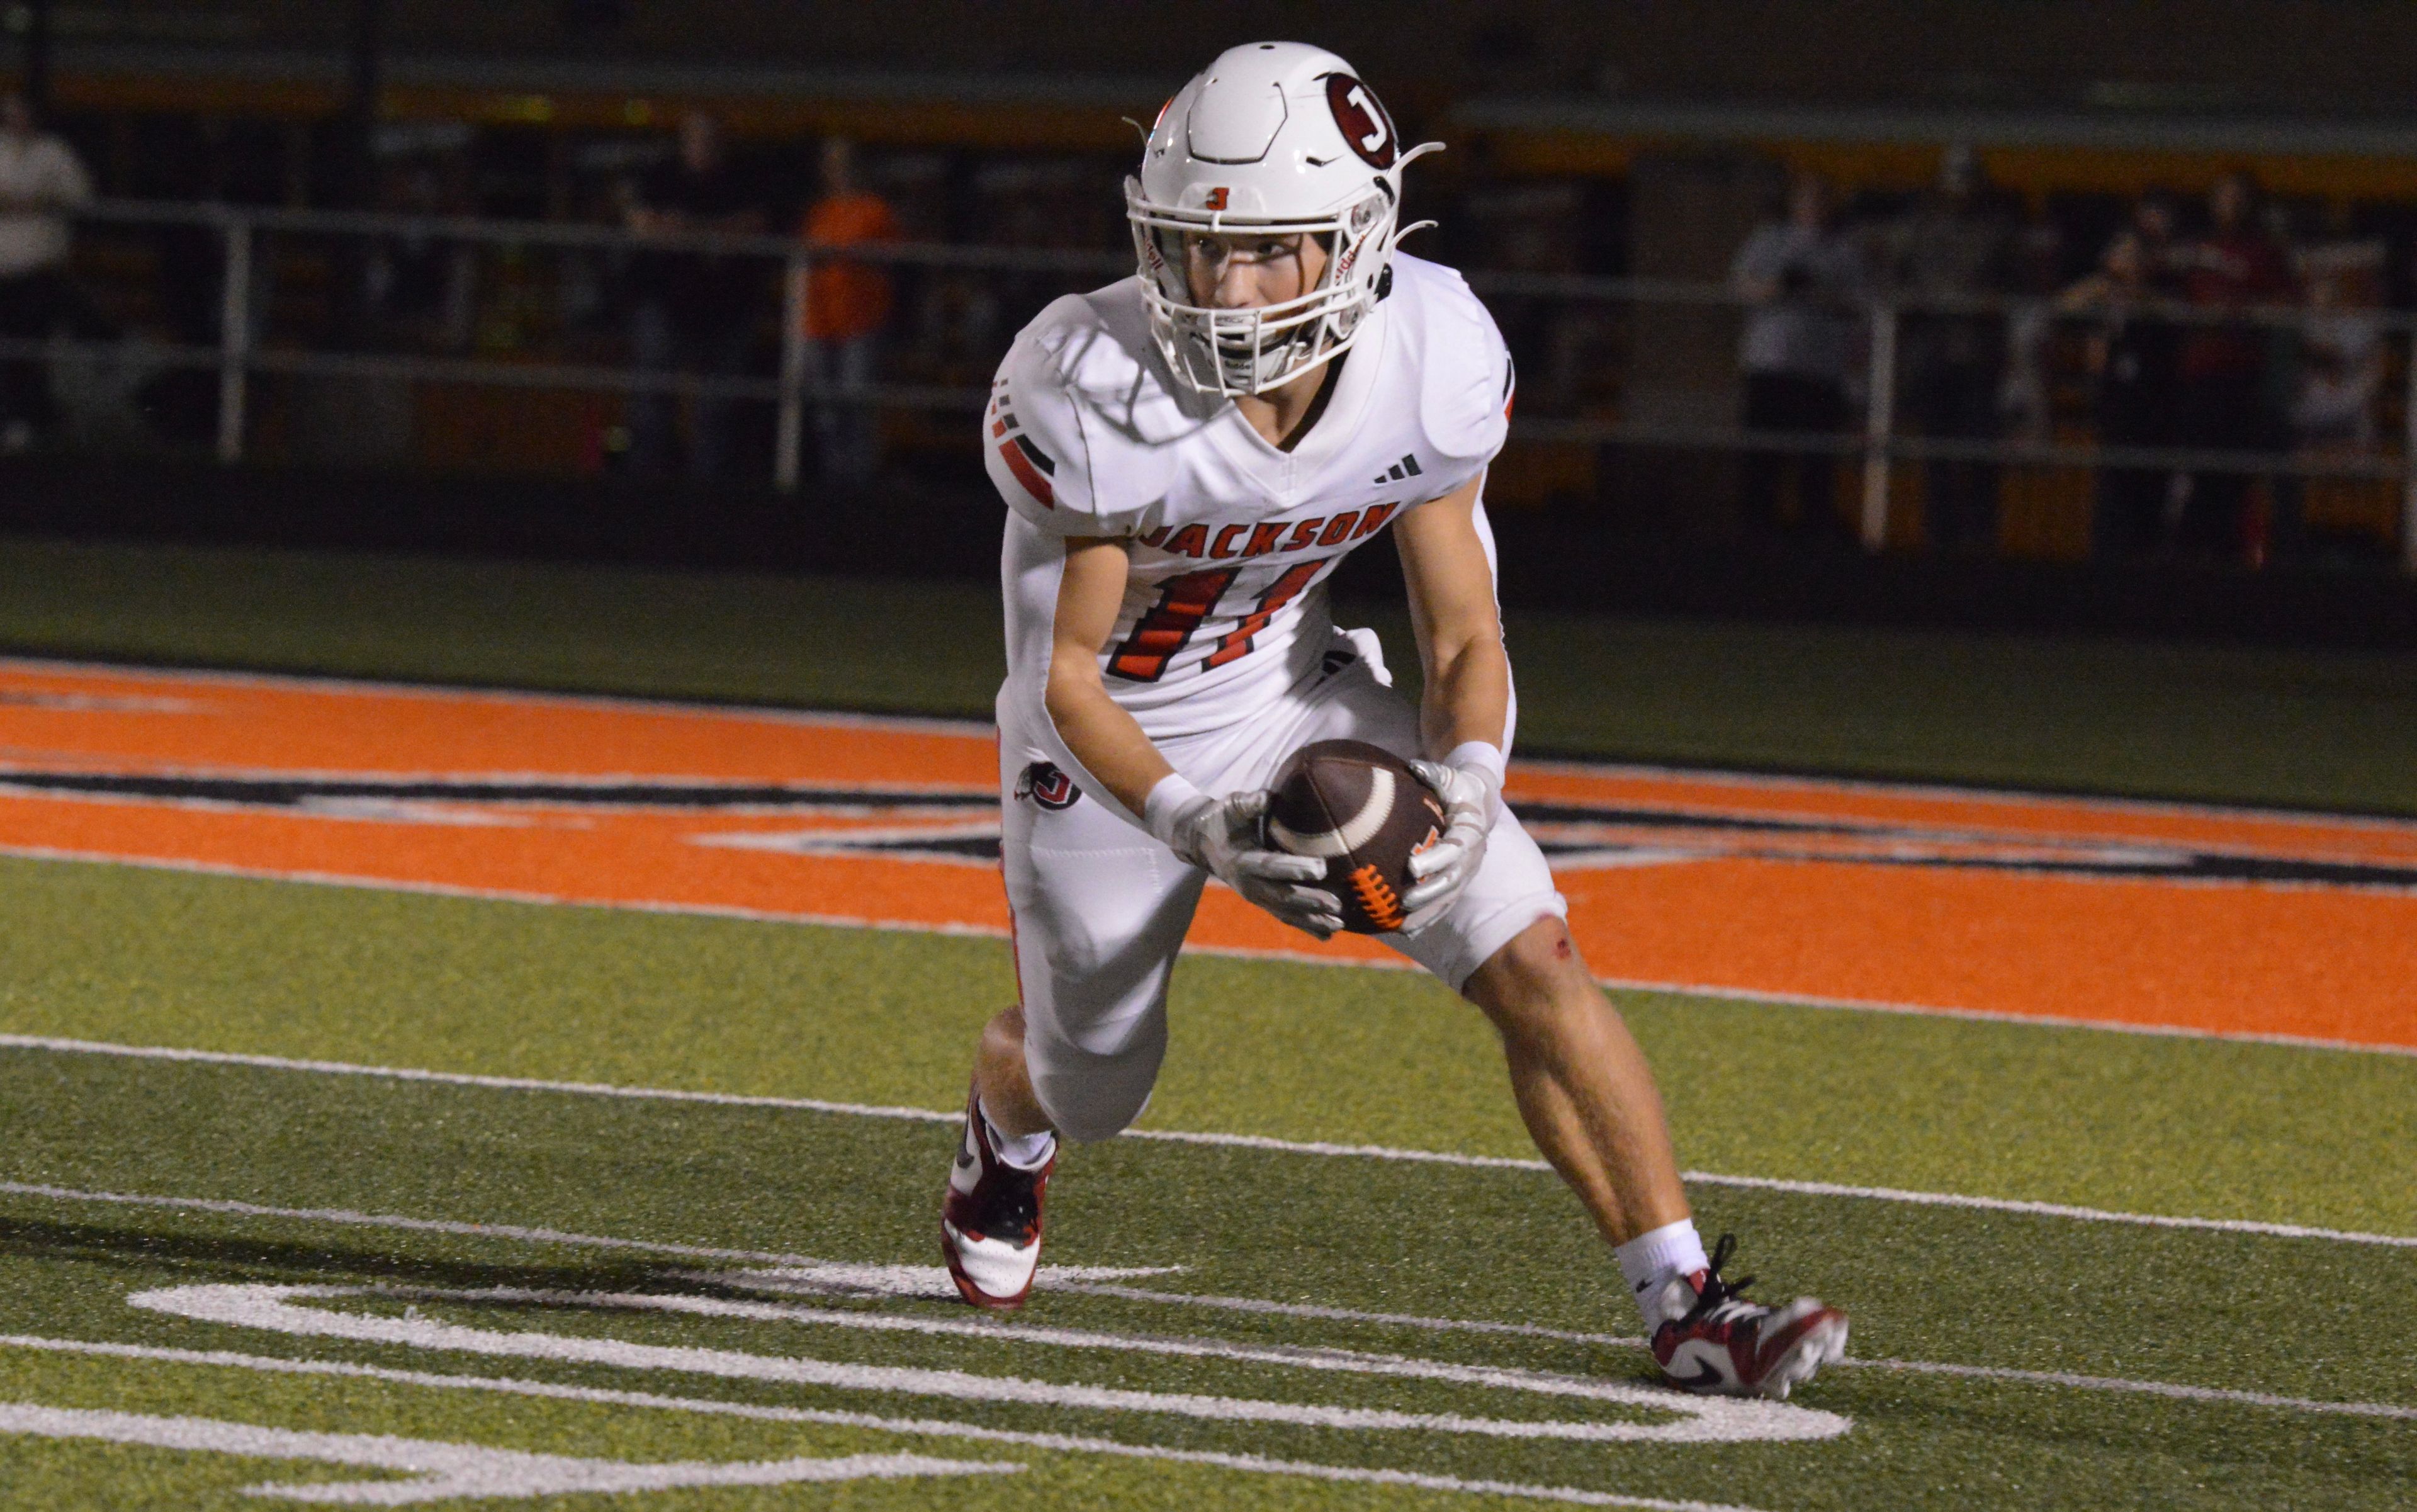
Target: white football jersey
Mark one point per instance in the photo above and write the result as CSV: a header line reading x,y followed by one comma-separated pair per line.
x,y
1087,433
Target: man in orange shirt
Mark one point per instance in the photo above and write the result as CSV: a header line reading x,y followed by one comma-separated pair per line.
x,y
846,305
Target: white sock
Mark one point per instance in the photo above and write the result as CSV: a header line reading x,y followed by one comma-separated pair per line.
x,y
1651,1260
1025,1152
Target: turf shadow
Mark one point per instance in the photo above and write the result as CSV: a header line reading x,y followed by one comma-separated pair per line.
x,y
250,1260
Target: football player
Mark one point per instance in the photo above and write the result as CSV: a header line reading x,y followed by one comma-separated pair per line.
x,y
1186,456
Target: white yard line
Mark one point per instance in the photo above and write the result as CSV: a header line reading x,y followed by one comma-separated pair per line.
x,y
465,1078
2146,1388
1986,1015
492,895
1244,1141
921,1427
435,1471
795,1272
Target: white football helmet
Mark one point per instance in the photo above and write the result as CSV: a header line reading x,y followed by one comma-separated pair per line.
x,y
1278,138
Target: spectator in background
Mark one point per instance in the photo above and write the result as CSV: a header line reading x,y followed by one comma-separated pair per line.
x,y
421,286
846,305
2332,406
692,312
2025,406
2133,358
2225,398
1801,279
40,178
1955,247
2158,226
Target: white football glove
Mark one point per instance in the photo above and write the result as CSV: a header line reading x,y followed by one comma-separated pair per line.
x,y
1223,835
1469,782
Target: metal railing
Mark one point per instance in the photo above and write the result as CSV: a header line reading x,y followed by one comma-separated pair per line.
x,y
792,389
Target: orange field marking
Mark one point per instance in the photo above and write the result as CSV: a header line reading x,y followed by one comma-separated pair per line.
x,y
2216,920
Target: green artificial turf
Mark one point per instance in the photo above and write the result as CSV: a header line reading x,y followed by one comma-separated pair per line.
x,y
2231,723
2145,1123
2224,1311
2138,1123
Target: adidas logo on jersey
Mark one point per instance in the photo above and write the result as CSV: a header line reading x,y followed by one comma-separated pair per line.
x,y
1407,467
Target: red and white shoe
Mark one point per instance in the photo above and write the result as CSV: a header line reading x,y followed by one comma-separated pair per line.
x,y
1716,1342
990,1221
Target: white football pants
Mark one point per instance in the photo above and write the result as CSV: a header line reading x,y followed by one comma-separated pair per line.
x,y
1101,907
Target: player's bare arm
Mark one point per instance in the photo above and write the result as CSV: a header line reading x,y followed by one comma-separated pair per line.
x,y
1451,589
1107,740
1464,715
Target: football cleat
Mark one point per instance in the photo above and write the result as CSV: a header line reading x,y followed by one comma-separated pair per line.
x,y
1717,1342
990,1222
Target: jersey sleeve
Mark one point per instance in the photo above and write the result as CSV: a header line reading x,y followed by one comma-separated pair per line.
x,y
1466,390
1033,442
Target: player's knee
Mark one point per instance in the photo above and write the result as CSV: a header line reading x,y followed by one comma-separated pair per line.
x,y
1529,982
1004,1034
1095,1083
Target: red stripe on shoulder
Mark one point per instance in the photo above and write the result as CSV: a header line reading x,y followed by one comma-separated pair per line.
x,y
1028,475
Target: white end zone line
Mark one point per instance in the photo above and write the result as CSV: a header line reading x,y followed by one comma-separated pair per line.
x,y
1243,1141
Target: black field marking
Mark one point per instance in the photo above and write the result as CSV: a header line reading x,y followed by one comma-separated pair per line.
x,y
1574,837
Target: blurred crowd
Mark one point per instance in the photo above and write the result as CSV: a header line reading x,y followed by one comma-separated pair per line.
x,y
668,313
2222,327
2202,344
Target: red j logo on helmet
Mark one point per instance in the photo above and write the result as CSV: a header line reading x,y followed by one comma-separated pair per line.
x,y
1364,121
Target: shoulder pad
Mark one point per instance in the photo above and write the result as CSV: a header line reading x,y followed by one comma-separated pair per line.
x,y
1465,379
1079,420
1032,435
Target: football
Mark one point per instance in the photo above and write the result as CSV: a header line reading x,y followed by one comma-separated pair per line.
x,y
1361,810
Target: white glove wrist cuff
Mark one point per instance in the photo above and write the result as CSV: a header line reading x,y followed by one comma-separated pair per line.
x,y
1168,802
1478,755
